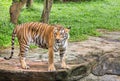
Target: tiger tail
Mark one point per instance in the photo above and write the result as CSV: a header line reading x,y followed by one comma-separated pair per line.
x,y
12,48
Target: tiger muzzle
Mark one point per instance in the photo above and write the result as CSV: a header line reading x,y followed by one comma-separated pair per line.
x,y
57,40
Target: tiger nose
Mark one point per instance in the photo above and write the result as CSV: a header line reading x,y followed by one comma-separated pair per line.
x,y
58,40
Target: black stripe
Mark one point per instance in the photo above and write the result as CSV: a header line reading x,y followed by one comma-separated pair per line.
x,y
12,52
12,48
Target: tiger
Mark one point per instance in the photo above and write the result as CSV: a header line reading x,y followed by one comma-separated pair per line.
x,y
51,37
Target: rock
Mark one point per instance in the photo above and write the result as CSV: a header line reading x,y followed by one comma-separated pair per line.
x,y
32,76
92,77
108,64
11,71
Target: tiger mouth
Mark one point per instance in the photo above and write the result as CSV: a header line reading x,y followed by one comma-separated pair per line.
x,y
59,44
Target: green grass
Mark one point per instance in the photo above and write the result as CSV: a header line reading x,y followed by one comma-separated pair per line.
x,y
83,17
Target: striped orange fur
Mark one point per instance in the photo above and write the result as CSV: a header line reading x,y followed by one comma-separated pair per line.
x,y
52,37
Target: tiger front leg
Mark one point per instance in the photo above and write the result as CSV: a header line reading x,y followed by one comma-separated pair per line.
x,y
51,66
62,59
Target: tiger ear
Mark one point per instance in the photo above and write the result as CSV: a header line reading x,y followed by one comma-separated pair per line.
x,y
68,29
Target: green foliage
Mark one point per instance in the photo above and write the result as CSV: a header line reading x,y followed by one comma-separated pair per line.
x,y
86,17
16,0
38,1
83,17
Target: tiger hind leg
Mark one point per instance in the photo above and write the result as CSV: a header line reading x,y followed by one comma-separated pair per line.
x,y
22,56
23,63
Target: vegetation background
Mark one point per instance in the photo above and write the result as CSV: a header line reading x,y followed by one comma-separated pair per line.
x,y
85,17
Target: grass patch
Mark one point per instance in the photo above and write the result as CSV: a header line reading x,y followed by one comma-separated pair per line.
x,y
84,17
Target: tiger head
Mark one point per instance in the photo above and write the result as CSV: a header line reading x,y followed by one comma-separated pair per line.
x,y
61,34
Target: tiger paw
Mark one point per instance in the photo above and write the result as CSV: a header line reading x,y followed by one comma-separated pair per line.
x,y
51,68
25,67
64,66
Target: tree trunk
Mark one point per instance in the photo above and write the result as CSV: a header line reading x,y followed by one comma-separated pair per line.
x,y
29,3
63,0
15,9
46,11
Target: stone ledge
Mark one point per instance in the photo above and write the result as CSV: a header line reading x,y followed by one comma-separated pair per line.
x,y
11,71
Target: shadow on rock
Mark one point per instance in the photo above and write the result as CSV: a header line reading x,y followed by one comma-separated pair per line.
x,y
107,64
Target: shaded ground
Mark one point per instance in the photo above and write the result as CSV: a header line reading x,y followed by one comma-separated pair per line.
x,y
101,54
